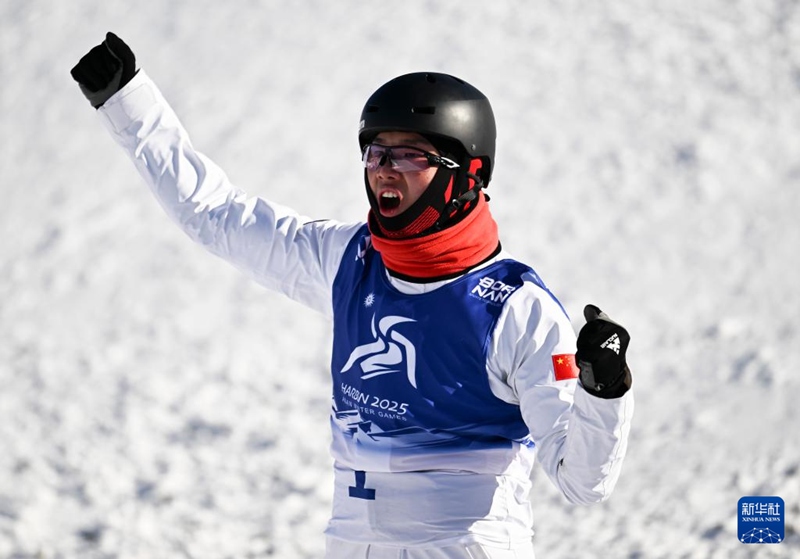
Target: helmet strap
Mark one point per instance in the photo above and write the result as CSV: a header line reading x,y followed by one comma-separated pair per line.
x,y
462,204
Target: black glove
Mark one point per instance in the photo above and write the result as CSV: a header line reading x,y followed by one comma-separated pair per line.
x,y
105,69
602,344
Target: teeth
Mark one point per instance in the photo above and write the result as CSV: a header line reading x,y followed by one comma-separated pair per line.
x,y
389,200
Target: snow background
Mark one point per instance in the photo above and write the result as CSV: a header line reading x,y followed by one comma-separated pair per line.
x,y
154,403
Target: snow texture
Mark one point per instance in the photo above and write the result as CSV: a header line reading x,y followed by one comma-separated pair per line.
x,y
154,403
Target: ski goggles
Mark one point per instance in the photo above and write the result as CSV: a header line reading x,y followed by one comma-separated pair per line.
x,y
403,159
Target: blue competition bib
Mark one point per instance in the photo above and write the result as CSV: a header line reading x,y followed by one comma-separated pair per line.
x,y
409,371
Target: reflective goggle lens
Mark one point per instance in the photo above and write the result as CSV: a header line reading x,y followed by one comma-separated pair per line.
x,y
403,159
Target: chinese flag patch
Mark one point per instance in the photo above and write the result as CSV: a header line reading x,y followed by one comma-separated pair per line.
x,y
564,366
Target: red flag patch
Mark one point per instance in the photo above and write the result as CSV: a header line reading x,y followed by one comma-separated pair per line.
x,y
564,366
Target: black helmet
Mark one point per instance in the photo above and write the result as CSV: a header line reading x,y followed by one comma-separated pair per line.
x,y
433,105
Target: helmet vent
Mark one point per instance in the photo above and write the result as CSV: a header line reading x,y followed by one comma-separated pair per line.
x,y
423,110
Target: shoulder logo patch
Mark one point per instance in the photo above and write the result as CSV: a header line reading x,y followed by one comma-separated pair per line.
x,y
492,290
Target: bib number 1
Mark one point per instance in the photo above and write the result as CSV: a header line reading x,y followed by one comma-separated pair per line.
x,y
360,491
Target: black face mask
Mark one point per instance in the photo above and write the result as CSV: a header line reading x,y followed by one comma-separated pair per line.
x,y
423,214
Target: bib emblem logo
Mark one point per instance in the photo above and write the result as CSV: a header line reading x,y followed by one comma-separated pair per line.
x,y
387,354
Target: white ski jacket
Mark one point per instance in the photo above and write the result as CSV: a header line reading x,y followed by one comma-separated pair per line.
x,y
429,498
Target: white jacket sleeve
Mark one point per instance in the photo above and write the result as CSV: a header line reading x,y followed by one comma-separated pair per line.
x,y
273,244
580,439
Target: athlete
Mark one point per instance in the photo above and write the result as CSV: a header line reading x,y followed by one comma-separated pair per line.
x,y
453,365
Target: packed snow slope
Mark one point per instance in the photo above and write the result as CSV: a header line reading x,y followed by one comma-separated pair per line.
x,y
154,403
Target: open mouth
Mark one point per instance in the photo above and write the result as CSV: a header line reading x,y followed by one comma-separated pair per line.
x,y
389,201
